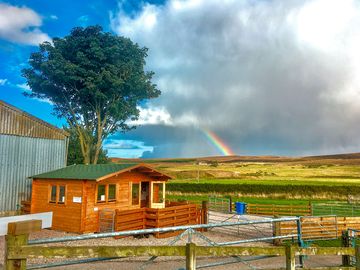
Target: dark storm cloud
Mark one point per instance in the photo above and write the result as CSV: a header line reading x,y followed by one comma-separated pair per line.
x,y
277,76
171,141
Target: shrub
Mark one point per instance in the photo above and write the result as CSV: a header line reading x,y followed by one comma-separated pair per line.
x,y
303,190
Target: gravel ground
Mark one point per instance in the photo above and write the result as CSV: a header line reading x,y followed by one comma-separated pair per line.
x,y
216,235
165,263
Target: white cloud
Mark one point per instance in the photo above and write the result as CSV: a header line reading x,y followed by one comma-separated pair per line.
x,y
21,25
152,116
126,148
54,17
24,87
270,73
3,81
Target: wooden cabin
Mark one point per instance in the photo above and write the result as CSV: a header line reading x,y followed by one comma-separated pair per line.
x,y
76,194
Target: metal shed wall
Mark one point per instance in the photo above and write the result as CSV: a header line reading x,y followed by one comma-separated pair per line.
x,y
21,157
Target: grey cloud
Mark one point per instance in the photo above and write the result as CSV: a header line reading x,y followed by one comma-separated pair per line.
x,y
244,70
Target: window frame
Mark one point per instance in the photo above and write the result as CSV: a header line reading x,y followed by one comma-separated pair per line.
x,y
131,193
106,193
51,194
57,196
161,204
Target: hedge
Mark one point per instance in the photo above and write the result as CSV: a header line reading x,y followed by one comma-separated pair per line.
x,y
263,189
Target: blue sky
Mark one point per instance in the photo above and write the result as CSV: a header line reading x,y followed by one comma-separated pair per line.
x,y
57,19
268,77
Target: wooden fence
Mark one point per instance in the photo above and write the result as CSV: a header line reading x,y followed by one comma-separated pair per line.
x,y
18,251
278,209
328,227
147,218
25,207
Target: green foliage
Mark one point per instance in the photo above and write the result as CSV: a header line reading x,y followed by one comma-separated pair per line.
x,y
95,81
74,152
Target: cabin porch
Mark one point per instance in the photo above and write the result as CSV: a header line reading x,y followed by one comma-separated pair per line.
x,y
173,214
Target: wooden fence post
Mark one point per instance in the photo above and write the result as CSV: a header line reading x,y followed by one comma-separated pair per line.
x,y
204,213
357,257
345,243
230,205
310,209
276,232
17,236
190,256
290,257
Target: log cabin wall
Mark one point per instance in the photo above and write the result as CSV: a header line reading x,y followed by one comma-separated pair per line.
x,y
123,197
67,215
80,211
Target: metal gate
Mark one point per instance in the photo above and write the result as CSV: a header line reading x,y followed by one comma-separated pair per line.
x,y
106,220
222,205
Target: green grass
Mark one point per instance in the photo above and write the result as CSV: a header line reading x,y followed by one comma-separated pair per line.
x,y
267,181
275,181
270,173
319,243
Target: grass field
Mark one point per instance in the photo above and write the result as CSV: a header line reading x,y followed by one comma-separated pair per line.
x,y
263,179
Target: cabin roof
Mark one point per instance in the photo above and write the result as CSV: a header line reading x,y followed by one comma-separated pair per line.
x,y
94,172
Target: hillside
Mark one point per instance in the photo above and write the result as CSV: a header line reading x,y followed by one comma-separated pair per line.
x,y
349,158
271,177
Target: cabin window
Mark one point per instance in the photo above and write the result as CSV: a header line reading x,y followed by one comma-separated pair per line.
x,y
135,193
53,194
112,193
57,194
61,194
158,192
106,193
101,193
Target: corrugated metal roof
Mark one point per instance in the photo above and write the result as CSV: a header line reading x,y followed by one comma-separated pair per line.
x,y
81,172
14,121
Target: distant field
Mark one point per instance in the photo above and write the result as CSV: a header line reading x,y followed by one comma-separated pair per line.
x,y
263,179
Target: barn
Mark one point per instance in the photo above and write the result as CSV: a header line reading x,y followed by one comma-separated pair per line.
x,y
28,146
78,193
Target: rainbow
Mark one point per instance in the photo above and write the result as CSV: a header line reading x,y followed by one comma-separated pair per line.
x,y
218,143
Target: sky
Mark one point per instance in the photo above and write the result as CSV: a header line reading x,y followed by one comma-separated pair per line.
x,y
245,77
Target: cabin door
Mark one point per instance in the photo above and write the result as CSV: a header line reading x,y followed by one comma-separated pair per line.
x,y
157,194
145,194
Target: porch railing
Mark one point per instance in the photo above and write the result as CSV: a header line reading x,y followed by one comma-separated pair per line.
x,y
146,218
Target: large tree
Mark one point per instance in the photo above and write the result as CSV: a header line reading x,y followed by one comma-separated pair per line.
x,y
95,80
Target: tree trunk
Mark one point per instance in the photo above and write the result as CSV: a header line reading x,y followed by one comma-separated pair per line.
x,y
99,133
85,145
97,151
87,156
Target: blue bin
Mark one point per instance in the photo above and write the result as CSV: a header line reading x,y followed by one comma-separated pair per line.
x,y
240,208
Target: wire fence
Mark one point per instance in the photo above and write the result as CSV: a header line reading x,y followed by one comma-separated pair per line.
x,y
339,209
